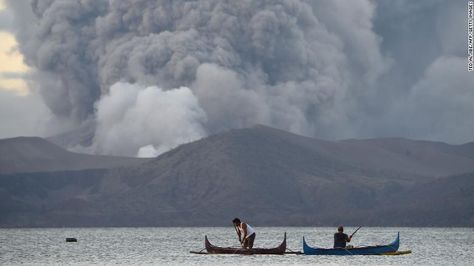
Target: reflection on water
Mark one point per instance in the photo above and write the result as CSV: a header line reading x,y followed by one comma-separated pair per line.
x,y
172,245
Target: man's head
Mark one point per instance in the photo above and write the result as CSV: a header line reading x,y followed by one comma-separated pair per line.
x,y
340,229
236,221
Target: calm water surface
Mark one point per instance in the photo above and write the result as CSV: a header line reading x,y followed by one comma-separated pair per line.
x,y
142,246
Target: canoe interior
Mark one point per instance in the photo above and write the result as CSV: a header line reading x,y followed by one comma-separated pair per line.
x,y
369,250
211,249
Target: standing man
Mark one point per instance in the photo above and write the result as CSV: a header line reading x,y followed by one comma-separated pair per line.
x,y
340,239
245,232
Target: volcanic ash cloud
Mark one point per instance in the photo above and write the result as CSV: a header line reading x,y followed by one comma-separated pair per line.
x,y
130,117
288,64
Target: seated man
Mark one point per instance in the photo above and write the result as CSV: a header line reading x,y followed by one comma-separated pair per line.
x,y
340,238
245,232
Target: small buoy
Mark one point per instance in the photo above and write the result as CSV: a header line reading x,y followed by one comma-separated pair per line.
x,y
71,239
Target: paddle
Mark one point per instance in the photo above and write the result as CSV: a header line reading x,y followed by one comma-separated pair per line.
x,y
355,231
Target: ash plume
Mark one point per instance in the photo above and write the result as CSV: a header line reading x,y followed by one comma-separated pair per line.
x,y
310,67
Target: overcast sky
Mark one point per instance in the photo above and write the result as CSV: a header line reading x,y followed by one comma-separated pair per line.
x,y
148,75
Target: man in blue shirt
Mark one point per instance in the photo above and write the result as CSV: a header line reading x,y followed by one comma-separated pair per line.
x,y
340,239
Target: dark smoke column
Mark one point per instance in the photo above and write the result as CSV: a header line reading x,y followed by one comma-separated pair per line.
x,y
281,63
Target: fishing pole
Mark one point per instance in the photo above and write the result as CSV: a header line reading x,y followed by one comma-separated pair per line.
x,y
355,231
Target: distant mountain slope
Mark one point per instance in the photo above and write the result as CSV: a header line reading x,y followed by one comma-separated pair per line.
x,y
267,176
33,154
425,157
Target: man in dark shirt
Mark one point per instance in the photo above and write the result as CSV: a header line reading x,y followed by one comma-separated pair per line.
x,y
340,238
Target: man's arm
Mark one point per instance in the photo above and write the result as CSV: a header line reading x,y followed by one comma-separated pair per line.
x,y
348,238
238,233
244,227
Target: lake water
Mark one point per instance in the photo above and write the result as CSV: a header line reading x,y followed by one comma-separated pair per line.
x,y
139,246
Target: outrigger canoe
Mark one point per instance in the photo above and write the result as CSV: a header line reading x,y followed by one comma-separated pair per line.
x,y
390,249
211,249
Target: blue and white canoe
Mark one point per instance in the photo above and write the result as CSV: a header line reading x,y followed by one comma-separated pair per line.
x,y
390,249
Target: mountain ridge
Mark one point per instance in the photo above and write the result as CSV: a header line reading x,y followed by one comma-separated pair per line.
x,y
35,154
267,176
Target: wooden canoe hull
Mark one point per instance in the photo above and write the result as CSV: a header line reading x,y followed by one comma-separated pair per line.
x,y
211,249
370,250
